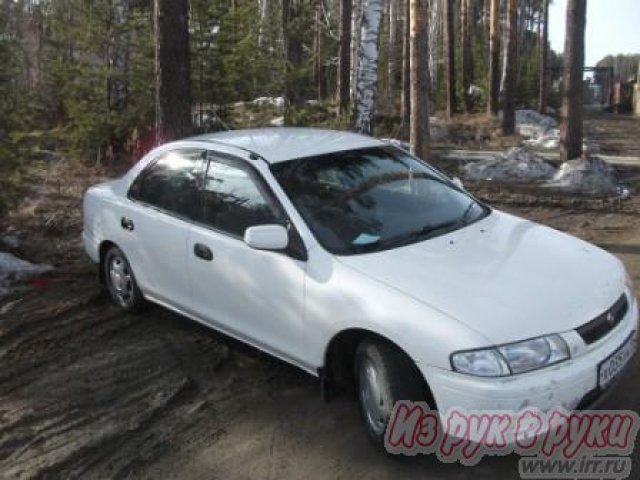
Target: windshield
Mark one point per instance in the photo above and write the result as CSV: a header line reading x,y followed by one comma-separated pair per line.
x,y
373,199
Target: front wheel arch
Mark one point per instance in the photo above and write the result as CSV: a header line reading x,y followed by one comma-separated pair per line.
x,y
339,361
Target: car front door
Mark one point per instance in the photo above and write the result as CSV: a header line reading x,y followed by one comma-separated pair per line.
x,y
162,203
251,294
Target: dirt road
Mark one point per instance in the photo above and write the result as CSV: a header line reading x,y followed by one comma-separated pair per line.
x,y
86,392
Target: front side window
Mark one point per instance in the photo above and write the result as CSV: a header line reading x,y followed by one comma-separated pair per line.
x,y
373,199
171,183
234,199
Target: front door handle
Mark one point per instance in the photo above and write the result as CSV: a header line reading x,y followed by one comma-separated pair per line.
x,y
203,252
126,223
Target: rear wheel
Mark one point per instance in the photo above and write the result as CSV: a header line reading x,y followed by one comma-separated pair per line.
x,y
121,282
384,376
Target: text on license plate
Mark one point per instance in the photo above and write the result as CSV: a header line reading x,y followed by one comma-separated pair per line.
x,y
609,368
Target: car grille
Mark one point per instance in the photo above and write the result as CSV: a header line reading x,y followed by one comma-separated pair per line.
x,y
601,325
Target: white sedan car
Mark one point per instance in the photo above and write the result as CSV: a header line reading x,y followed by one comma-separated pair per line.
x,y
359,263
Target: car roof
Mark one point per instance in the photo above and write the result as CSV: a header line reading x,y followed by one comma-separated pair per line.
x,y
279,144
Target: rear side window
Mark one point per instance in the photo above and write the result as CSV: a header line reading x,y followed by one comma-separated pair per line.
x,y
235,199
171,183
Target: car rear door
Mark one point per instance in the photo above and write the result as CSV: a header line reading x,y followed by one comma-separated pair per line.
x,y
254,295
162,202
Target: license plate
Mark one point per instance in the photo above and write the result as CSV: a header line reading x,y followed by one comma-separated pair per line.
x,y
615,363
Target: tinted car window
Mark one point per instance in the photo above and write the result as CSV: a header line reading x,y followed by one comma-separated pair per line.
x,y
372,199
171,183
235,200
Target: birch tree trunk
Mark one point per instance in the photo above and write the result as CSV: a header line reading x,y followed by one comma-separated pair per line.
x,y
119,58
406,64
172,69
367,84
344,57
494,59
572,109
356,23
419,124
317,47
466,25
544,56
434,35
395,46
450,56
508,110
263,6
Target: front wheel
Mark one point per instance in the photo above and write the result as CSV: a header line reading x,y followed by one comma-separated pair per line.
x,y
385,375
121,282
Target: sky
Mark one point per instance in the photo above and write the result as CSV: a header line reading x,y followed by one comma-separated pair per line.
x,y
613,26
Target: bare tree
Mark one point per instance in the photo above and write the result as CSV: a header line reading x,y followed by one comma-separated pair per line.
x,y
367,84
466,26
172,69
406,64
419,124
544,55
291,34
395,46
450,56
508,110
571,118
494,59
344,56
119,58
356,19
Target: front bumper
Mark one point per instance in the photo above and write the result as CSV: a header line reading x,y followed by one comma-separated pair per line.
x,y
570,385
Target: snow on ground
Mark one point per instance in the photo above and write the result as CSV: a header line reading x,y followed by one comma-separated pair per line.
x,y
277,122
278,102
550,140
438,130
11,240
14,269
517,165
592,175
532,124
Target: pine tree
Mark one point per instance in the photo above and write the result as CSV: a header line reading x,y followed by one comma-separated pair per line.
x,y
572,110
419,130
173,69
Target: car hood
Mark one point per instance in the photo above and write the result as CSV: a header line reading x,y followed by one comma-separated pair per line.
x,y
507,278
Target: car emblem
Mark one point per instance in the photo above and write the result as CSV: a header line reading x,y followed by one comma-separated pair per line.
x,y
610,318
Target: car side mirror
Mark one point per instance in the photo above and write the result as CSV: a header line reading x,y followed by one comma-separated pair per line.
x,y
267,237
458,183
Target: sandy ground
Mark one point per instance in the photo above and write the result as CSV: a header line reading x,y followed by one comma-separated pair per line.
x,y
87,392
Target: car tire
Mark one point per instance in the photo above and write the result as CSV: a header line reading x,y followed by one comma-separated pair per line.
x,y
384,375
121,282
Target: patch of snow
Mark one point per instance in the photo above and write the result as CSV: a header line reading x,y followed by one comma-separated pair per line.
x,y
438,128
401,144
277,102
550,140
592,175
277,122
14,269
11,240
532,124
517,165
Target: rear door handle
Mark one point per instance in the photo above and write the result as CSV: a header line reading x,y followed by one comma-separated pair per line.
x,y
126,223
203,252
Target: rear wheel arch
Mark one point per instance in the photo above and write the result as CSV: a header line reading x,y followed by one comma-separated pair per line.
x,y
102,252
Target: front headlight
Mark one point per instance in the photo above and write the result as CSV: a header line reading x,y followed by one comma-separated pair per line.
x,y
513,358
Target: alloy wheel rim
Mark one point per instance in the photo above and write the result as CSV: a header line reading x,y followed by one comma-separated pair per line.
x,y
121,280
375,408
